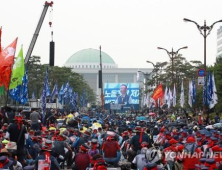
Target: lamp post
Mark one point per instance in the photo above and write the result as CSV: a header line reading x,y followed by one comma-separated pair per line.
x,y
204,31
172,56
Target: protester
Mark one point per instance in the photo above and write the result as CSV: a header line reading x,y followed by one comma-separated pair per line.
x,y
93,140
34,117
17,133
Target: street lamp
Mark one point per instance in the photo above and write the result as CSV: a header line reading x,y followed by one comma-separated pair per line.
x,y
151,63
204,31
172,56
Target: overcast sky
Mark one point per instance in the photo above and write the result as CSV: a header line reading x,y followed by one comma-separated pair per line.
x,y
128,30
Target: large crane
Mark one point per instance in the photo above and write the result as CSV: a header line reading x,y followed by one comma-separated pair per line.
x,y
35,36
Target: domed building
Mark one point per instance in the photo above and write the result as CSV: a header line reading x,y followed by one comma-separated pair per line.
x,y
87,63
90,58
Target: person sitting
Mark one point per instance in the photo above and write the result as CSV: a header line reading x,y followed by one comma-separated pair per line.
x,y
140,160
82,160
111,150
45,157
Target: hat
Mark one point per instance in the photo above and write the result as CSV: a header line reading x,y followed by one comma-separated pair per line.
x,y
5,162
87,133
84,147
190,139
216,148
144,144
137,129
5,152
173,141
5,141
61,137
18,118
162,129
46,148
94,141
180,148
48,142
125,133
29,167
11,146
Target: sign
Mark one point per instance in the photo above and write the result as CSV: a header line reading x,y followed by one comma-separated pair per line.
x,y
201,72
124,94
201,81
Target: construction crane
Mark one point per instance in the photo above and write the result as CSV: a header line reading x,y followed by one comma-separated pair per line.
x,y
35,36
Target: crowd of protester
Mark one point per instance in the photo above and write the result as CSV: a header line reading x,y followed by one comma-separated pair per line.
x,y
99,140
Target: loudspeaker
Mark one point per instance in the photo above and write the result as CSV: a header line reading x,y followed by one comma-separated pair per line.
x,y
51,53
100,79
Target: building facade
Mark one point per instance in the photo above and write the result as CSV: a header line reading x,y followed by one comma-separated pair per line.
x,y
219,42
87,63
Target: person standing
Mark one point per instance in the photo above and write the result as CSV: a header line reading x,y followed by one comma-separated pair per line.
x,y
18,133
34,117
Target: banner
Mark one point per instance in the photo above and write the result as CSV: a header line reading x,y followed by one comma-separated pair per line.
x,y
18,71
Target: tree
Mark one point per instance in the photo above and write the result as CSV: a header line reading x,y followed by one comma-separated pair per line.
x,y
61,75
182,70
217,69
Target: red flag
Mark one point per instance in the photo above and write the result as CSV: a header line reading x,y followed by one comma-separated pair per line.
x,y
1,40
158,93
7,60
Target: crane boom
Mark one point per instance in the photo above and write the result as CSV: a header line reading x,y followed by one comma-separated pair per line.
x,y
35,36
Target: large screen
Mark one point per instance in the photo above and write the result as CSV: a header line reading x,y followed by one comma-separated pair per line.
x,y
124,94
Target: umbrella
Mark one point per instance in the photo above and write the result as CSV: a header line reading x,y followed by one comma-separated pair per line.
x,y
141,118
209,127
152,114
86,118
217,125
205,131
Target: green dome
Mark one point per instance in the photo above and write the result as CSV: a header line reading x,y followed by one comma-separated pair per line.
x,y
90,56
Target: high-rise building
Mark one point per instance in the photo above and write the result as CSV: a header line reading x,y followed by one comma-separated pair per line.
x,y
219,42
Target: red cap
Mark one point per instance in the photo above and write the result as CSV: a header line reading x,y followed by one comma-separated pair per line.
x,y
216,148
173,141
162,129
180,148
190,139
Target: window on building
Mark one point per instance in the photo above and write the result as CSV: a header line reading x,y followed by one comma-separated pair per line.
x,y
86,66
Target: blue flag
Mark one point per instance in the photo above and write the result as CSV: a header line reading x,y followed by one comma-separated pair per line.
x,y
60,95
209,88
194,91
54,93
44,95
20,93
15,93
24,92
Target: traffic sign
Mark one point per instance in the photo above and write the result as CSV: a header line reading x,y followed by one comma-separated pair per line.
x,y
201,72
201,81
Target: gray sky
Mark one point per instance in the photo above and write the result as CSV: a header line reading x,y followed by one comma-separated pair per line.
x,y
128,30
